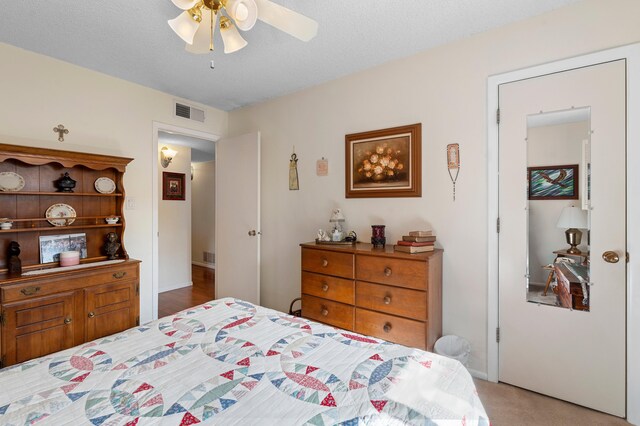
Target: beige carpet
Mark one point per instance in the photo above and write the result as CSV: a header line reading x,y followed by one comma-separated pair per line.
x,y
508,405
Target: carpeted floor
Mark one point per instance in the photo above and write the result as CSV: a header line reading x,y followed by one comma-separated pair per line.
x,y
508,405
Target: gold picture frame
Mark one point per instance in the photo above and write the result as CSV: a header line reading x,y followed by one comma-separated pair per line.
x,y
384,163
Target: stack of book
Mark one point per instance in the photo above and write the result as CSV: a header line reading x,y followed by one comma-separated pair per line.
x,y
416,242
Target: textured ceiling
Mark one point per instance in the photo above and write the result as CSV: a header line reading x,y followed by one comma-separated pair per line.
x,y
131,40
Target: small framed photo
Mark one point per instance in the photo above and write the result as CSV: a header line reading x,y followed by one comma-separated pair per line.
x,y
52,245
384,163
553,182
173,186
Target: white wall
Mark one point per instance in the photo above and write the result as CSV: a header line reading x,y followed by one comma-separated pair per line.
x,y
552,146
203,214
174,226
104,115
445,90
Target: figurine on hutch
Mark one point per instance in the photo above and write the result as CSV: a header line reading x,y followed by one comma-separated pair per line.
x,y
14,264
112,246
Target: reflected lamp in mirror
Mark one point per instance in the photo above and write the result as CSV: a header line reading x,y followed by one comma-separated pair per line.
x,y
573,219
337,218
166,156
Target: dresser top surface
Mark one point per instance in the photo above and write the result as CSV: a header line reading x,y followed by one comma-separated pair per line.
x,y
368,249
6,279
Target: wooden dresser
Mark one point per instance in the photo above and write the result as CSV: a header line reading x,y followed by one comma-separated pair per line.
x,y
378,292
48,312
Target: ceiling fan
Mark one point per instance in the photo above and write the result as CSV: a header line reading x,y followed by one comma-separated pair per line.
x,y
197,24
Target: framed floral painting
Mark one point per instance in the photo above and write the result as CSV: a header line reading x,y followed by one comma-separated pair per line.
x,y
173,186
384,163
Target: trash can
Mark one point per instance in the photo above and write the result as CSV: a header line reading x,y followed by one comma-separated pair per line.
x,y
453,347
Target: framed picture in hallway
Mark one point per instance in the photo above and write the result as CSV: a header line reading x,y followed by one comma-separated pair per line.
x,y
173,186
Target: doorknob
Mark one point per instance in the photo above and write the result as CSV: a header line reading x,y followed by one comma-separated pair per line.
x,y
253,233
611,257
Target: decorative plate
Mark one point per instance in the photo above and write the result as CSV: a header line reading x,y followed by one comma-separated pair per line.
x,y
60,210
104,185
10,181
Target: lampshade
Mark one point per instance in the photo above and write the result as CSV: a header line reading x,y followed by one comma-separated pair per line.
x,y
243,12
573,217
185,26
202,41
337,216
231,38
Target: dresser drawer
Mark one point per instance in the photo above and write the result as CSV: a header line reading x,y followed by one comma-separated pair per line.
x,y
326,311
43,285
392,300
328,287
327,262
394,329
397,272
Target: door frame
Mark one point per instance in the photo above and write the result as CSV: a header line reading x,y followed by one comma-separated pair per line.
x,y
158,127
631,53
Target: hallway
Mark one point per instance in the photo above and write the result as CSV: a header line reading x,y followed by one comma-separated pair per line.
x,y
203,290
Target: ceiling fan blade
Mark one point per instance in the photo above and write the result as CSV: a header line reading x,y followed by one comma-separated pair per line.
x,y
287,20
202,38
185,4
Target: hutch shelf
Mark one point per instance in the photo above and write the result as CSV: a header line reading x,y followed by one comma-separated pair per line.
x,y
44,309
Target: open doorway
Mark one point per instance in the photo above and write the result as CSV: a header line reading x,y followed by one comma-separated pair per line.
x,y
185,221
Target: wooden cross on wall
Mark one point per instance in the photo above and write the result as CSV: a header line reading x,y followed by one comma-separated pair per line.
x,y
61,131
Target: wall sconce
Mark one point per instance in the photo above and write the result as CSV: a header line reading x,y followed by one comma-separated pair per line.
x,y
166,156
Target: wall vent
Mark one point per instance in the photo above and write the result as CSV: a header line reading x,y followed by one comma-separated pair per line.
x,y
189,112
208,257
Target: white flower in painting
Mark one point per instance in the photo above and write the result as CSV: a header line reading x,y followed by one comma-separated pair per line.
x,y
378,170
374,158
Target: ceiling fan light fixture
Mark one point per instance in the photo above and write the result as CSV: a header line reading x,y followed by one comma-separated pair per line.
x,y
203,41
185,4
184,26
243,12
231,38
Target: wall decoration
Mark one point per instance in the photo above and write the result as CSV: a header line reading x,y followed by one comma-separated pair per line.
x,y
384,163
322,167
52,245
453,163
173,186
61,131
294,185
553,182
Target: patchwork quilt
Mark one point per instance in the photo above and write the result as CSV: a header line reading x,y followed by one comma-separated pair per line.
x,y
229,362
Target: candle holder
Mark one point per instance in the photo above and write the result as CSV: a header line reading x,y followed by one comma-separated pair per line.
x,y
377,236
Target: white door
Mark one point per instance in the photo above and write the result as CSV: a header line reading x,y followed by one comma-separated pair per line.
x,y
571,354
238,218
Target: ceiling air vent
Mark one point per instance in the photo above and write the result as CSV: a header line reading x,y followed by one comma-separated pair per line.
x,y
189,112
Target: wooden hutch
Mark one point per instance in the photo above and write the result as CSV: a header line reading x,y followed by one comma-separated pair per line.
x,y
47,309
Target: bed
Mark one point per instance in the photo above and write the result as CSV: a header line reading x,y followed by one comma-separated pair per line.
x,y
230,362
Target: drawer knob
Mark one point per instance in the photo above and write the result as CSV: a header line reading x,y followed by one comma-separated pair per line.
x,y
91,314
387,300
324,311
387,271
67,321
118,275
387,327
28,291
325,263
325,287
